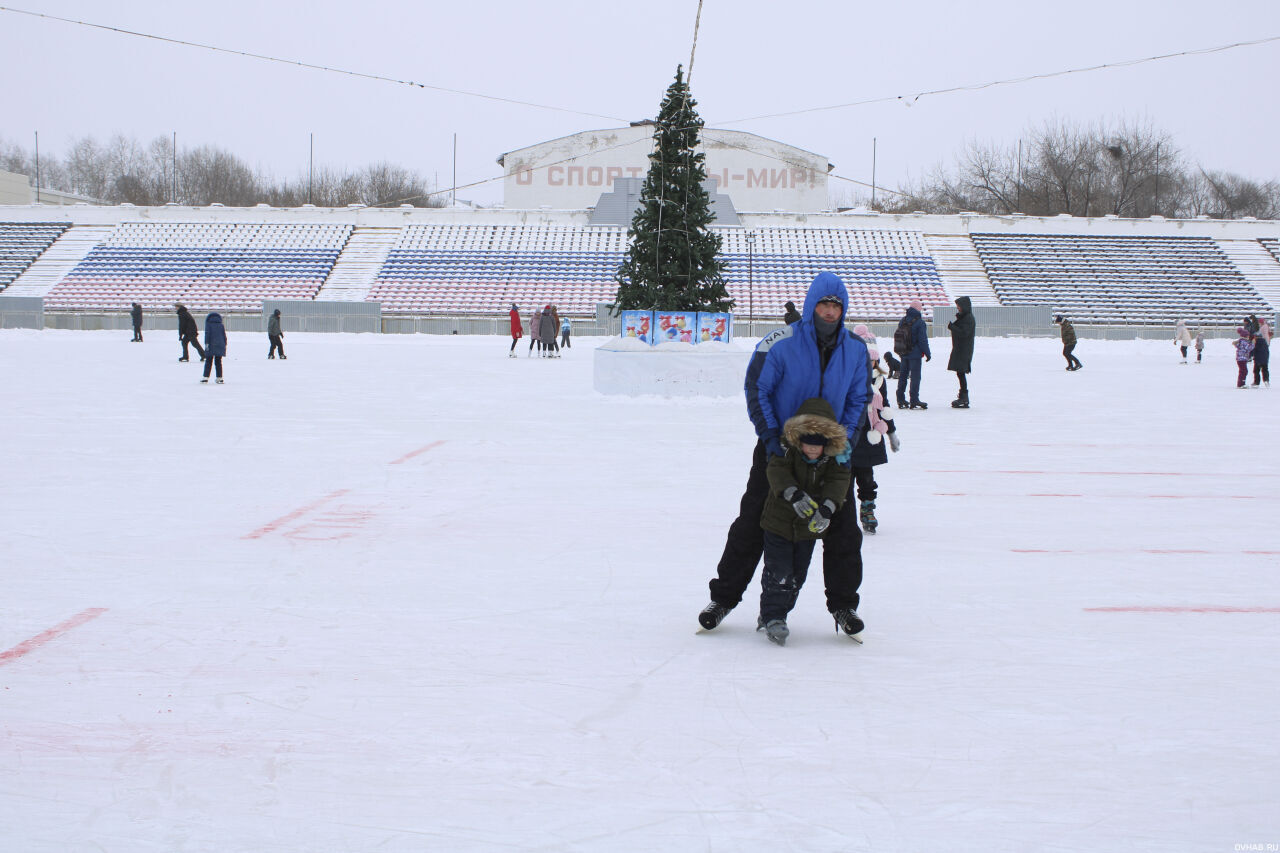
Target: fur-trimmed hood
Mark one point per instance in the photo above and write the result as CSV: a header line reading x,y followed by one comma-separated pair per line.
x,y
815,416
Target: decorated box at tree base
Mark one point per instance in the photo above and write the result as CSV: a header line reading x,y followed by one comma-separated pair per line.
x,y
714,327
637,325
675,326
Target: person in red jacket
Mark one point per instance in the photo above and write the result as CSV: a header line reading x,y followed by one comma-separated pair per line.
x,y
517,330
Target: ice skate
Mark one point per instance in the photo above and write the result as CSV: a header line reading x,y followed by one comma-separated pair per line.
x,y
775,629
867,515
847,620
712,615
962,401
919,405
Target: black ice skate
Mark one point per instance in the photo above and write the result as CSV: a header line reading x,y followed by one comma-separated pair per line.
x,y
712,615
847,620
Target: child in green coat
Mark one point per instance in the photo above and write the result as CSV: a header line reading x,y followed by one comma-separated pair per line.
x,y
807,485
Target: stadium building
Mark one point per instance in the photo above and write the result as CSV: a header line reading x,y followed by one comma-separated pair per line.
x,y
562,234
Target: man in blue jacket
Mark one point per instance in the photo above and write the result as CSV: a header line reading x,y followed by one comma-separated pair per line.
x,y
814,357
917,348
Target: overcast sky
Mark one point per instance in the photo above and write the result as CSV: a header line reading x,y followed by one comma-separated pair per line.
x,y
613,61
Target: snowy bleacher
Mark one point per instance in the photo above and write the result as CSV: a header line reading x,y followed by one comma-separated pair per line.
x,y
485,268
883,269
1128,280
22,242
1272,245
225,266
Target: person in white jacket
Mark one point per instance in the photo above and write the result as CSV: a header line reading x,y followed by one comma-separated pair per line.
x,y
1182,338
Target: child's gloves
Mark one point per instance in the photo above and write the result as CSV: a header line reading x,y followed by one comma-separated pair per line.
x,y
804,505
894,442
822,518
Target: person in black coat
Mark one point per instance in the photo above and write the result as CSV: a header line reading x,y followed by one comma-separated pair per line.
x,y
135,314
963,329
276,335
791,314
188,333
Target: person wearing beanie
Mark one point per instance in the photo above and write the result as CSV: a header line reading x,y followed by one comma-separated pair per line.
x,y
912,338
869,450
517,330
1244,349
813,357
1068,342
135,314
275,335
188,333
791,314
963,330
808,484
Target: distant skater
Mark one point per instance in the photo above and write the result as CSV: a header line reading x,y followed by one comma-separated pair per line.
x,y
1068,342
1261,360
1199,346
564,333
549,324
963,330
535,332
275,335
215,345
911,341
135,314
188,334
517,330
791,314
1182,338
1244,349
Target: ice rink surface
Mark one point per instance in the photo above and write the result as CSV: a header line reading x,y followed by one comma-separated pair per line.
x,y
403,593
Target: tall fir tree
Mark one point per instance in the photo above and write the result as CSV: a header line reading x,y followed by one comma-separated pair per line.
x,y
671,260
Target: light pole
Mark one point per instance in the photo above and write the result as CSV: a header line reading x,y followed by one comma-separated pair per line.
x,y
751,286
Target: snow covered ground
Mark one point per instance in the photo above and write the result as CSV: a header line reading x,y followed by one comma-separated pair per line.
x,y
402,593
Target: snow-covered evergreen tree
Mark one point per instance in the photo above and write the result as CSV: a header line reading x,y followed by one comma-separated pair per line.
x,y
671,260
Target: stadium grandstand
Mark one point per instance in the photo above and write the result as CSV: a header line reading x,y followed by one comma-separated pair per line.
x,y
92,261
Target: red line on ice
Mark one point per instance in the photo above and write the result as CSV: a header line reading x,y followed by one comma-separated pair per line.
x,y
1171,609
293,516
414,453
52,634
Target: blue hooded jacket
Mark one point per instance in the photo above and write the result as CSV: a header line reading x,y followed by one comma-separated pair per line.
x,y
785,369
215,336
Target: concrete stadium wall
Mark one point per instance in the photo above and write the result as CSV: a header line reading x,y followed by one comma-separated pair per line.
x,y
21,312
323,316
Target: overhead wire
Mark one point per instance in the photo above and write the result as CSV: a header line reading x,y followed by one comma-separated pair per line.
x,y
311,65
907,99
971,87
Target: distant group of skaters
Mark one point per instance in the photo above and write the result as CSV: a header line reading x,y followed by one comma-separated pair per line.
x,y
215,338
543,328
1253,344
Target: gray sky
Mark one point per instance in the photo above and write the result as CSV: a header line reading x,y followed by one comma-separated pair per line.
x,y
753,58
